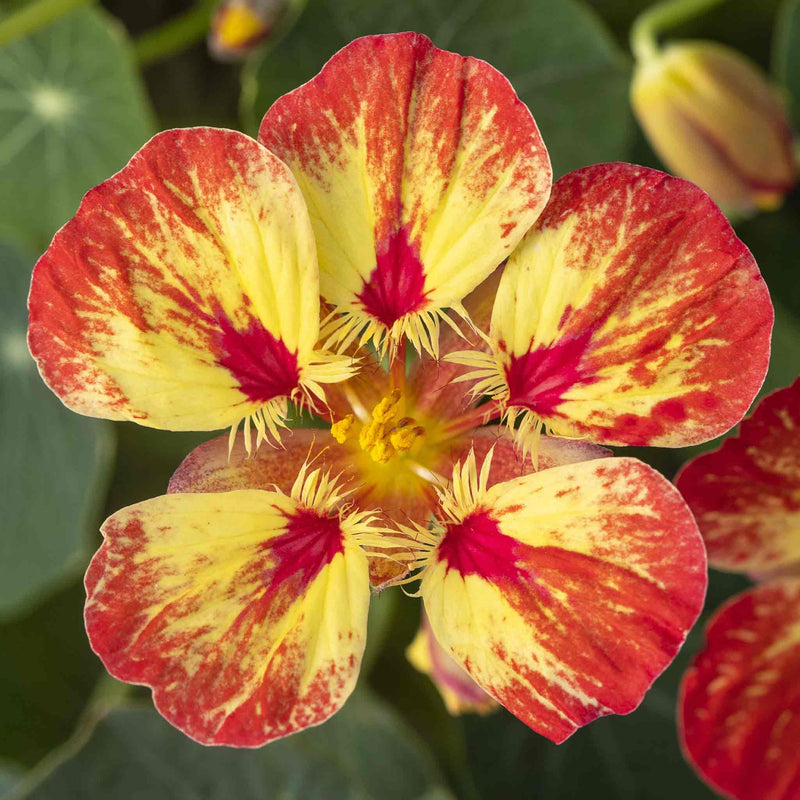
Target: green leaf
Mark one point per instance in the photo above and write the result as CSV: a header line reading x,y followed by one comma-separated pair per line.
x,y
365,751
54,466
47,674
558,56
72,112
786,53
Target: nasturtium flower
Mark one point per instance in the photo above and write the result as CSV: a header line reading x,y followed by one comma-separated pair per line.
x,y
712,116
740,700
402,195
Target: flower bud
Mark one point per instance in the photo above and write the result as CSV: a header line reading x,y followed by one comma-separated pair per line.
x,y
239,26
459,692
712,117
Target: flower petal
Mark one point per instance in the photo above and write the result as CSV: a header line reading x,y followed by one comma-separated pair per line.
x,y
184,293
212,468
740,700
631,314
422,170
746,495
245,612
509,462
565,593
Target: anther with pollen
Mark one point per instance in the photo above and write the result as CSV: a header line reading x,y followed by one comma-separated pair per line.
x,y
385,434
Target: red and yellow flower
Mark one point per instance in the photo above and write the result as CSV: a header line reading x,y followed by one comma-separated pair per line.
x,y
740,700
185,294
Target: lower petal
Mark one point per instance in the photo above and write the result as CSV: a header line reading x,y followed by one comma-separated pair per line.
x,y
565,593
740,700
245,612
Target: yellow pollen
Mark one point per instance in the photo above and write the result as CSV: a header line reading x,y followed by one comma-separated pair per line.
x,y
340,429
386,434
403,437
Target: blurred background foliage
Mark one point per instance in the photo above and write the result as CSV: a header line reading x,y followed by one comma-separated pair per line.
x,y
79,93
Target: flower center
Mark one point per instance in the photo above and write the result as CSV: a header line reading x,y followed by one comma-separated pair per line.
x,y
387,433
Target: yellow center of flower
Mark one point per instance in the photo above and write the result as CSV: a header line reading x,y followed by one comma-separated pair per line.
x,y
387,432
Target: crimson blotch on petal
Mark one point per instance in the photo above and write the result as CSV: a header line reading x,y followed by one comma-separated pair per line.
x,y
422,170
184,293
625,313
244,611
566,592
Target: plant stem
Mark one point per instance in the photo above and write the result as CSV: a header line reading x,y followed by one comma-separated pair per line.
x,y
34,16
175,35
649,24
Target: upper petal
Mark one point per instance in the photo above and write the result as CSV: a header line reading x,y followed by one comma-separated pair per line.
x,y
422,171
631,314
245,612
746,495
565,593
740,700
184,293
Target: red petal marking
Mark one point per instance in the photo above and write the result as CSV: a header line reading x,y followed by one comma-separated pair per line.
x,y
214,622
650,321
152,292
578,621
740,700
398,146
208,468
539,379
396,286
262,364
746,494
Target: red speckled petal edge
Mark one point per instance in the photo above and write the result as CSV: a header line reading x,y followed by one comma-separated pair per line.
x,y
746,495
740,700
184,293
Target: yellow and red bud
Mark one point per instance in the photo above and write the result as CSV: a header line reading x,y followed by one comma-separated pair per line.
x,y
460,693
713,118
239,26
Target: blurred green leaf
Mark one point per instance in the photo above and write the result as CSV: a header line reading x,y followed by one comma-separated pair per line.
x,y
72,112
558,57
47,674
786,53
55,463
365,751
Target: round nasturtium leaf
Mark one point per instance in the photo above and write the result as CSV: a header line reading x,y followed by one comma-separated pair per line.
x,y
558,56
54,463
72,112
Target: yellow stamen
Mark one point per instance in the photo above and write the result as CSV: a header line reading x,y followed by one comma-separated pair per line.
x,y
404,437
340,429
